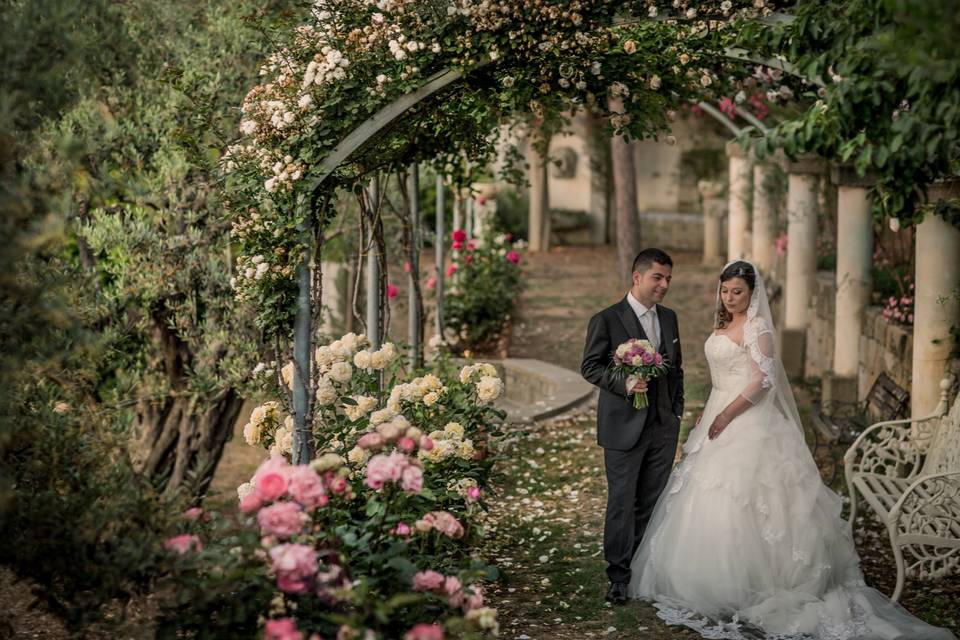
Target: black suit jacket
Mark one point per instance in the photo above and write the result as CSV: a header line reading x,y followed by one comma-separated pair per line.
x,y
619,425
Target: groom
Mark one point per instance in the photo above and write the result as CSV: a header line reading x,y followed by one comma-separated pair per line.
x,y
639,445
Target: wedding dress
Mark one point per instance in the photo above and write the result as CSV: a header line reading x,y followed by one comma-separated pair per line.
x,y
746,541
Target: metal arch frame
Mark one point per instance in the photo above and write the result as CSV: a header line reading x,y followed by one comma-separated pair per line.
x,y
303,444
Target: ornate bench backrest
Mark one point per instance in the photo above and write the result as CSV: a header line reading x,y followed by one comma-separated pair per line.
x,y
943,453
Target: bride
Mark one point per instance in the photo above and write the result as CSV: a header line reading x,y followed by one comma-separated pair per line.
x,y
746,541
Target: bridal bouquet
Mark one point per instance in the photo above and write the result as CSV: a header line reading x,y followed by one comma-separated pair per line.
x,y
638,358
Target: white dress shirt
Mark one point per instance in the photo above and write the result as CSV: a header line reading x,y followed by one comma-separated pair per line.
x,y
648,320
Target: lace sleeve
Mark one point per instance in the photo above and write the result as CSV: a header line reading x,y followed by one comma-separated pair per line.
x,y
759,340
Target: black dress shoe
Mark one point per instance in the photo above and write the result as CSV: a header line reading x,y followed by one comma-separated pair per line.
x,y
617,593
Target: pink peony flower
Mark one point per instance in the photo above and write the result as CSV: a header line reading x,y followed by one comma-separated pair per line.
x,y
193,513
392,291
306,487
513,257
183,544
424,632
281,629
295,566
427,581
282,519
458,235
411,479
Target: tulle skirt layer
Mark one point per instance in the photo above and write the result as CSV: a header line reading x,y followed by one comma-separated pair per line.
x,y
746,541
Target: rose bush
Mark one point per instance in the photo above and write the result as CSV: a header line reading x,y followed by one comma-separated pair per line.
x,y
373,538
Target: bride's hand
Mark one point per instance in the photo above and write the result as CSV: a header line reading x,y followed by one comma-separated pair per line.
x,y
719,424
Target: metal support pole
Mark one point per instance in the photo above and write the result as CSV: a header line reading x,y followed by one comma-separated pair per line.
x,y
440,243
373,271
414,313
302,438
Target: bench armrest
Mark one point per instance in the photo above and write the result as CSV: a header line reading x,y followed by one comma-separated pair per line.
x,y
885,447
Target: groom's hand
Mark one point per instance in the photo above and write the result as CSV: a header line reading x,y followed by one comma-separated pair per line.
x,y
636,384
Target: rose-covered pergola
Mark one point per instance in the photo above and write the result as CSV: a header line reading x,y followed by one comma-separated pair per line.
x,y
367,88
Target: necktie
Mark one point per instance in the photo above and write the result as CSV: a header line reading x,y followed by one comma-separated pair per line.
x,y
653,331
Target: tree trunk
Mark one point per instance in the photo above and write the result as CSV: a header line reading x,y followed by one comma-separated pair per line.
x,y
178,440
625,191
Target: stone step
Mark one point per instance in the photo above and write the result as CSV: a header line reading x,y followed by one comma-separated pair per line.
x,y
536,390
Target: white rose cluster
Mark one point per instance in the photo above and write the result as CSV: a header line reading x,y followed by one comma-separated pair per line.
x,y
486,380
378,359
283,438
427,389
361,406
448,443
263,420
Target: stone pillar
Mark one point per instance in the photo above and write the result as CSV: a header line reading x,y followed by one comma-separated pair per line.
x,y
738,244
539,200
714,208
936,308
335,283
854,284
802,206
764,220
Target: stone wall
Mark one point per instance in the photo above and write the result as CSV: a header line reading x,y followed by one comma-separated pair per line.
x,y
668,230
884,347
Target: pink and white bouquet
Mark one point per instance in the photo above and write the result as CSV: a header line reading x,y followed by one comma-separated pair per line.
x,y
638,359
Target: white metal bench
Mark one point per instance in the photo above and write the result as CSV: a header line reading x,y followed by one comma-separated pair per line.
x,y
908,471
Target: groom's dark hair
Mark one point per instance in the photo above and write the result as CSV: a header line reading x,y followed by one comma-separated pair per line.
x,y
647,257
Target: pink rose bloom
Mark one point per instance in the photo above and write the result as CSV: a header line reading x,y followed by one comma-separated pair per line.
x,y
427,581
282,519
370,440
513,257
407,267
183,544
473,493
431,283
452,269
281,629
471,245
447,524
425,632
657,358
457,245
411,479
468,259
647,358
473,600
458,235
402,529
295,566
382,469
250,502
425,523
193,513
270,479
406,444
426,443
336,483
306,487
453,589
392,291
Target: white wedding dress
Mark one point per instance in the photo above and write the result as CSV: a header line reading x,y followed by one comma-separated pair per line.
x,y
746,541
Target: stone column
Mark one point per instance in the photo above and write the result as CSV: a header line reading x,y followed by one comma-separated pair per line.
x,y
936,308
539,200
854,284
738,244
714,209
802,206
764,220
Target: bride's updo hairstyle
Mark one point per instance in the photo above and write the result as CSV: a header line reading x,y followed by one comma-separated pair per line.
x,y
738,269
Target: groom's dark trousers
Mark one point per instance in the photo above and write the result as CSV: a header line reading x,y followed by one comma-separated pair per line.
x,y
639,445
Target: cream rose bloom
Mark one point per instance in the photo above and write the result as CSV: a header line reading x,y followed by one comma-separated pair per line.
x,y
465,449
431,398
326,394
287,374
251,434
327,462
341,371
362,360
453,429
378,360
357,456
381,415
324,356
244,490
489,388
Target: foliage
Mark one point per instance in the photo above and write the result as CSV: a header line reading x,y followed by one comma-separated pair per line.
x,y
380,526
485,281
889,102
527,62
